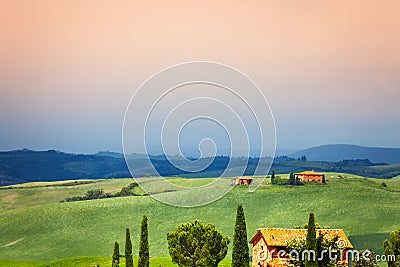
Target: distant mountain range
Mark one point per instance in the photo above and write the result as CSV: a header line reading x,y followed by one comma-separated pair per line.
x,y
26,165
328,153
334,153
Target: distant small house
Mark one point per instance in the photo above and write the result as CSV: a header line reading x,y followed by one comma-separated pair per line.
x,y
309,176
243,180
269,245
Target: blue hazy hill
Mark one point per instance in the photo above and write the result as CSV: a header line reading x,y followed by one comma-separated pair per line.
x,y
334,153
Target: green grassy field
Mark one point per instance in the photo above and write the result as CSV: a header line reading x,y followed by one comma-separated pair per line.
x,y
89,261
39,230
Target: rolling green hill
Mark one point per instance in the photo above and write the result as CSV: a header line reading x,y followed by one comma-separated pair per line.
x,y
35,226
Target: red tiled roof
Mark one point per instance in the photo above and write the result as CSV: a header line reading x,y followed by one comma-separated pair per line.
x,y
280,237
310,173
244,178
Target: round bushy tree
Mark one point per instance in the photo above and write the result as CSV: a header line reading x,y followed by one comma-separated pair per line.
x,y
392,247
195,244
365,259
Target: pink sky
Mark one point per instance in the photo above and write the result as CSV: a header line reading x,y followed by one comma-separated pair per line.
x,y
330,69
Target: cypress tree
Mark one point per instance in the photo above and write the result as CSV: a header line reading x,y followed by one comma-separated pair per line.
x,y
240,249
291,179
115,256
128,249
144,244
319,248
311,242
273,177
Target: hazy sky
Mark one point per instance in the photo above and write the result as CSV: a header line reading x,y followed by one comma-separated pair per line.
x,y
330,69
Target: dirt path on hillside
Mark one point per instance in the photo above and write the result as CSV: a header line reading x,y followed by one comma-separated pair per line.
x,y
12,243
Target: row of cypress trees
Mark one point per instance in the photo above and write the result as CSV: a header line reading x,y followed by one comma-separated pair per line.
x,y
240,250
144,256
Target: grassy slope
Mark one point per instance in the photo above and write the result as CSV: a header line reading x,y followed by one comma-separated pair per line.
x,y
362,207
92,261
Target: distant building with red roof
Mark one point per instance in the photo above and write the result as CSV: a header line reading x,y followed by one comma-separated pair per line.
x,y
309,176
244,180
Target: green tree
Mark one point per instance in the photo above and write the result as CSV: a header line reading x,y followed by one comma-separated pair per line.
x,y
195,244
392,247
240,249
366,258
291,179
311,241
144,244
273,177
115,256
319,248
128,249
